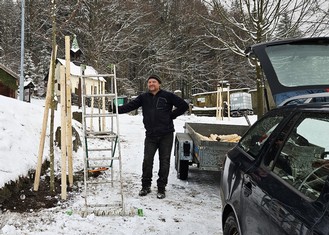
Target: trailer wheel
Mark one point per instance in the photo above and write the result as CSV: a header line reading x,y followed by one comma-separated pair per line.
x,y
183,169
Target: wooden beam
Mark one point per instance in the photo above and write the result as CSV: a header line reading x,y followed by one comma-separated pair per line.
x,y
44,122
68,110
103,106
63,132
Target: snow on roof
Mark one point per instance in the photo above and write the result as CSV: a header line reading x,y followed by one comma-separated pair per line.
x,y
28,82
76,70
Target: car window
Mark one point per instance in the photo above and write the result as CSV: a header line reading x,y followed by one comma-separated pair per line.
x,y
257,135
302,159
294,64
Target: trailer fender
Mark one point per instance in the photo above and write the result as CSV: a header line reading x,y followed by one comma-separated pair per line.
x,y
183,154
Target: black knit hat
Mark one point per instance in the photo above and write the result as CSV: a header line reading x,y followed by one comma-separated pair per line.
x,y
154,76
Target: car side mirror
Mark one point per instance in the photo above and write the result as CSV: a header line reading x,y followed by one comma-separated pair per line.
x,y
324,155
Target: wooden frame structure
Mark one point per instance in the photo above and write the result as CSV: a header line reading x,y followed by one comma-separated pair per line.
x,y
66,124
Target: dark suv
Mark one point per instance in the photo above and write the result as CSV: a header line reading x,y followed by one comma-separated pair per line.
x,y
275,181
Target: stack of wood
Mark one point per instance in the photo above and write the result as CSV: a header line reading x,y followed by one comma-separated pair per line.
x,y
234,138
225,138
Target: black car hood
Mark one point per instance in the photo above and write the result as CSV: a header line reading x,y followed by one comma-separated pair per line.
x,y
294,67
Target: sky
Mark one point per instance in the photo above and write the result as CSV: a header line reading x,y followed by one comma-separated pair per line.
x,y
190,207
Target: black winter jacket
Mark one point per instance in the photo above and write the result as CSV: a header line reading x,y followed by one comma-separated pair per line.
x,y
158,112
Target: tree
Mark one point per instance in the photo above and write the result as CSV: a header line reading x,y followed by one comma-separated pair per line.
x,y
249,22
29,68
193,45
285,29
52,100
42,70
9,31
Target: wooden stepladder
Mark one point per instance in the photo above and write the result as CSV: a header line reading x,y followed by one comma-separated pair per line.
x,y
103,184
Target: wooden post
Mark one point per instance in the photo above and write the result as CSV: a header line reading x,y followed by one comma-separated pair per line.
x,y
103,106
217,102
98,90
228,102
92,92
63,132
220,103
44,123
68,110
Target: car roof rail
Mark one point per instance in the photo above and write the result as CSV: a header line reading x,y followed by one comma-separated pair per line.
x,y
307,98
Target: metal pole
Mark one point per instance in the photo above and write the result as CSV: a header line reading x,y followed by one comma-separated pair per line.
x,y
21,82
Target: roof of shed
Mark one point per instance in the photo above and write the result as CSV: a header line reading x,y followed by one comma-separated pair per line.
x,y
9,71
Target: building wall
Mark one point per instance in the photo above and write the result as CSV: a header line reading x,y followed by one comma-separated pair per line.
x,y
8,82
6,91
93,85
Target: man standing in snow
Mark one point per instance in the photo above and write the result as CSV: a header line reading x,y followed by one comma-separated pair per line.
x,y
158,114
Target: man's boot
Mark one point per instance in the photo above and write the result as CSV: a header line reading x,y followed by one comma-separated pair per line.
x,y
144,191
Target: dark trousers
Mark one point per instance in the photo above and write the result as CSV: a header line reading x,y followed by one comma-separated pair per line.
x,y
164,145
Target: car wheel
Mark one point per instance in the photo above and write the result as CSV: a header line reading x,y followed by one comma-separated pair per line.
x,y
183,169
231,225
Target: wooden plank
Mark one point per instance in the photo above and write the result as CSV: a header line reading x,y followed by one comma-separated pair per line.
x,y
91,112
63,133
44,122
68,111
103,107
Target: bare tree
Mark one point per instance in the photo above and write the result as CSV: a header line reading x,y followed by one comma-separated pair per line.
x,y
9,31
193,45
53,103
248,22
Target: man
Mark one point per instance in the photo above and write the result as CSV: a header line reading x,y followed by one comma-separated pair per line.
x,y
158,114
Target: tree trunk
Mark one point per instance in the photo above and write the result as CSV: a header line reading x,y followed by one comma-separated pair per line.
x,y
53,103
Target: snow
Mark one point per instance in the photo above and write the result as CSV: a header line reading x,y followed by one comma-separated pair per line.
x,y
190,207
76,70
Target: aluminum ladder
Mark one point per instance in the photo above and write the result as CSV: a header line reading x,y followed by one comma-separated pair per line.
x,y
103,183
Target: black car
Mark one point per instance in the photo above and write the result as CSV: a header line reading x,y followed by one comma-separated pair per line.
x,y
275,180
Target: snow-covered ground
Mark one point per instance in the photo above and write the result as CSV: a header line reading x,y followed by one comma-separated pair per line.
x,y
190,207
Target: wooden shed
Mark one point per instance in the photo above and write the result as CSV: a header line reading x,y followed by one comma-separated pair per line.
x,y
28,90
8,82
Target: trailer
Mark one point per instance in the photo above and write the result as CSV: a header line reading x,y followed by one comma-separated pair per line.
x,y
194,147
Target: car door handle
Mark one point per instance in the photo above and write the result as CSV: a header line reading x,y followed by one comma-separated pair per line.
x,y
247,189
